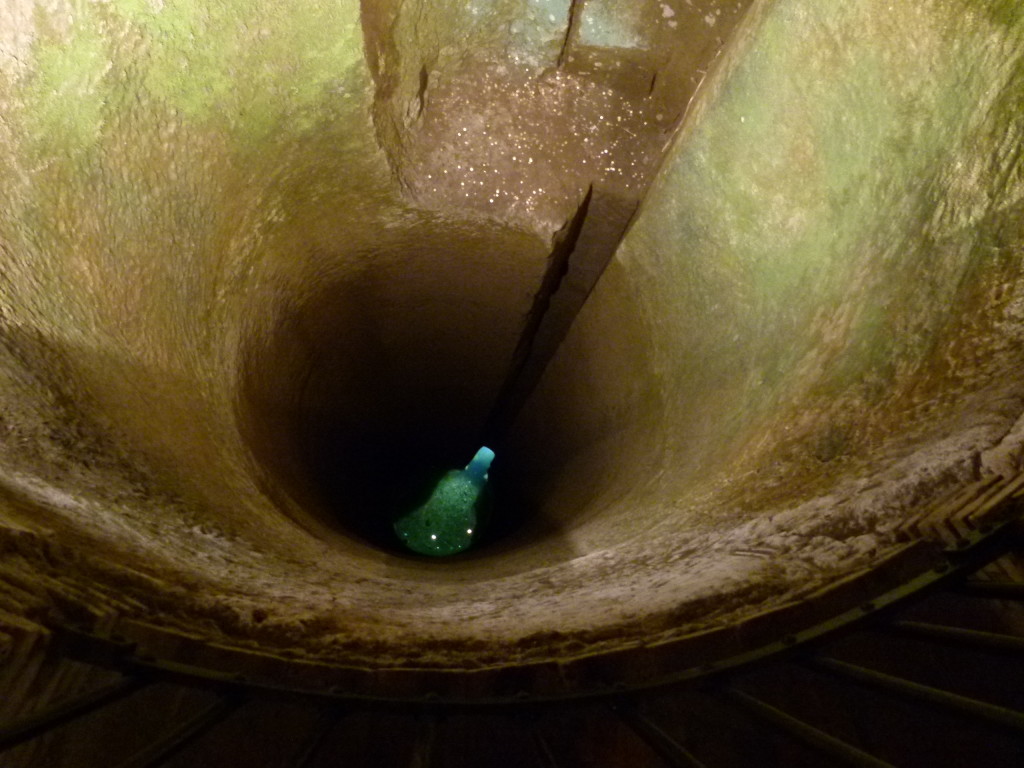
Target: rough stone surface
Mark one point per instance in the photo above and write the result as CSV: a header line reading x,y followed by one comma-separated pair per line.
x,y
217,237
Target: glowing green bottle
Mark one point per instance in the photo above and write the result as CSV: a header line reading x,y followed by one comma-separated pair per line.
x,y
447,523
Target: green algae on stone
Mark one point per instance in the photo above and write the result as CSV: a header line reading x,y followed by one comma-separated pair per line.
x,y
448,522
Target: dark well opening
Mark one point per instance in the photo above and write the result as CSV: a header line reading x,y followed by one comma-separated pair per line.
x,y
381,373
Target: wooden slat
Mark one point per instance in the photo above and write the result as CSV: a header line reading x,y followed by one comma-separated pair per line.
x,y
993,511
914,528
955,517
938,525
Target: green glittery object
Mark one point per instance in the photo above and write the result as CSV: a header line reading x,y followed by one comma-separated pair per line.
x,y
447,523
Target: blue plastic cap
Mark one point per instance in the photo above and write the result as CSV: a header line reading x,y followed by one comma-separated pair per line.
x,y
477,469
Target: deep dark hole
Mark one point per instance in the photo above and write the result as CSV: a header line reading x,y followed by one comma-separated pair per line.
x,y
355,409
367,480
